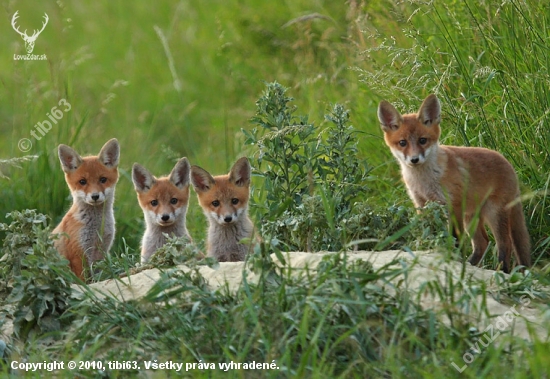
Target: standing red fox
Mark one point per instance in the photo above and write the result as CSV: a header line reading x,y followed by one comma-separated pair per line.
x,y
87,230
224,200
164,203
473,179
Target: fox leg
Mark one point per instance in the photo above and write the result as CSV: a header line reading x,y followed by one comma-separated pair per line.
x,y
480,240
500,226
77,266
456,223
520,236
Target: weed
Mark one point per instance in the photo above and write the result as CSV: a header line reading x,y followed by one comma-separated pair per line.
x,y
491,73
321,186
34,275
311,177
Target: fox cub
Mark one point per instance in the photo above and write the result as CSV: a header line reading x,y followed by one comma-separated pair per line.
x,y
473,180
164,202
88,228
224,200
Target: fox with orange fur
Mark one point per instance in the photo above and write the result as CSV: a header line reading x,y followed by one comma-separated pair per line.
x,y
87,231
164,202
224,200
471,179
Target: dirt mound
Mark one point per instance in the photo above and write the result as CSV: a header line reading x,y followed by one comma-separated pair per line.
x,y
424,267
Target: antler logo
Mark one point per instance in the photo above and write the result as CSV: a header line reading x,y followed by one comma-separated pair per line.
x,y
29,40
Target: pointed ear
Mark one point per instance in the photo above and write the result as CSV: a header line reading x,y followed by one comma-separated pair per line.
x,y
240,173
429,113
110,153
202,181
180,173
70,160
143,179
390,118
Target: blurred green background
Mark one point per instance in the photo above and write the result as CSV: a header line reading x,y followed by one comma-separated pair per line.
x,y
180,78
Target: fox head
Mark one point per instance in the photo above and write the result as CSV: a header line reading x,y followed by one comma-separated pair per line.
x,y
91,179
224,198
412,138
163,200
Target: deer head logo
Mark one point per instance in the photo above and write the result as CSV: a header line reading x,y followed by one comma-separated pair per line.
x,y
29,40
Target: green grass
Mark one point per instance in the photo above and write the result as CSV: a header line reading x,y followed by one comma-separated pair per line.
x,y
182,78
115,74
489,66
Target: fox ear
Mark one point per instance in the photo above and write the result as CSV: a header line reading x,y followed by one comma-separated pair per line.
x,y
70,160
180,173
143,179
430,111
110,153
240,173
390,118
202,181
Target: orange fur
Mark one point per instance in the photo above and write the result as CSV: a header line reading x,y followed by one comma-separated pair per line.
x,y
223,191
163,191
68,244
471,180
224,200
164,202
86,232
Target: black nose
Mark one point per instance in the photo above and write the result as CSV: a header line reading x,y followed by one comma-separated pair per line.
x,y
228,219
165,217
415,160
95,197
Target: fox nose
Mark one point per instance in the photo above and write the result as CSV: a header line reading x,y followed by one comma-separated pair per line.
x,y
95,197
227,218
165,218
415,160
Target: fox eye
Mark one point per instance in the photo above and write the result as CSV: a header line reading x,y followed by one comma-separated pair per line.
x,y
234,201
173,200
82,182
103,179
216,203
423,141
154,203
402,143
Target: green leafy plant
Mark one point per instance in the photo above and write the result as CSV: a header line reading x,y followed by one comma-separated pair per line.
x,y
312,177
33,274
315,185
179,250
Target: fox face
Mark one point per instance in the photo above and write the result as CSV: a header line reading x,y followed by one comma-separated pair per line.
x,y
224,198
92,179
474,182
163,200
412,138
